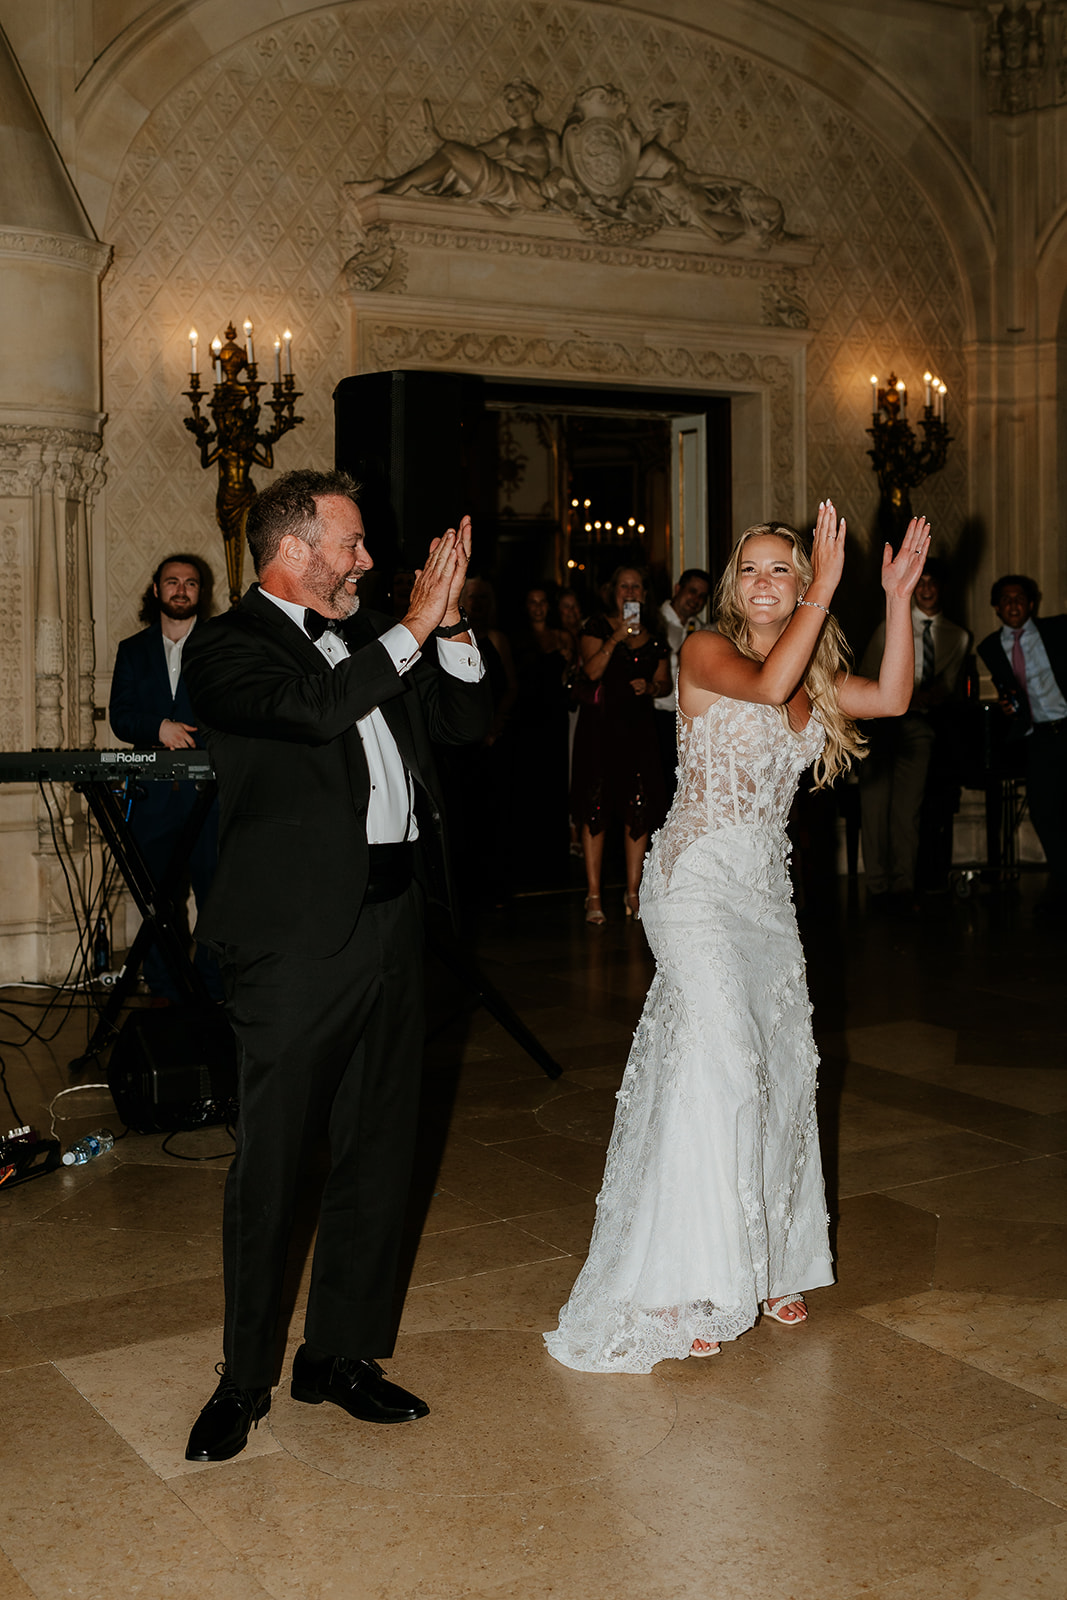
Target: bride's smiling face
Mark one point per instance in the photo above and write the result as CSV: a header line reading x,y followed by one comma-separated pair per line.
x,y
768,581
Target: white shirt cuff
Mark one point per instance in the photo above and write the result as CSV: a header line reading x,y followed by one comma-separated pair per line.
x,y
463,661
402,646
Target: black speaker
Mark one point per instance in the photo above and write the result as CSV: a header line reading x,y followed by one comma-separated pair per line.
x,y
174,1068
408,438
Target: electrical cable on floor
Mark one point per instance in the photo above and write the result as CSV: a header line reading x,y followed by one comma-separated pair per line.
x,y
176,1155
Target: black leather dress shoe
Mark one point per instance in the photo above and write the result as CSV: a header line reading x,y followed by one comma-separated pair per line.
x,y
221,1429
358,1387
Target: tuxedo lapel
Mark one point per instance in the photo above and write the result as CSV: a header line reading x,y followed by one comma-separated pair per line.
x,y
283,629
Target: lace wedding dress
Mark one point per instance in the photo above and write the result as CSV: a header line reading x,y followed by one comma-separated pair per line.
x,y
712,1197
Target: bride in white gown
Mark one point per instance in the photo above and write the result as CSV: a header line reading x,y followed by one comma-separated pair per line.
x,y
712,1203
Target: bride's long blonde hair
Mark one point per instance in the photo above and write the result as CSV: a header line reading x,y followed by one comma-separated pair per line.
x,y
844,742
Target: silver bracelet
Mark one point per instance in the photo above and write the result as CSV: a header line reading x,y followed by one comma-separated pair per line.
x,y
817,603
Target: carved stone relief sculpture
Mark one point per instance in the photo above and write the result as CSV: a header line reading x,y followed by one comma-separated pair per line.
x,y
616,183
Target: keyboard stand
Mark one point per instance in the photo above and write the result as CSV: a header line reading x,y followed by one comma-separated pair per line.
x,y
156,902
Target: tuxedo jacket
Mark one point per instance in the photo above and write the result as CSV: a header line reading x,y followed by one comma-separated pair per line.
x,y
293,781
1053,631
140,690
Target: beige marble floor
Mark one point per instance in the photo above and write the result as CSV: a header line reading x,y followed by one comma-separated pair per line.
x,y
910,1442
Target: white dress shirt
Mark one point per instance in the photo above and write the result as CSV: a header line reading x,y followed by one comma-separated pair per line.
x,y
1043,692
172,650
676,633
951,643
391,808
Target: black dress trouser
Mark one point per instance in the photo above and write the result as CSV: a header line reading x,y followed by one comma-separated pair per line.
x,y
336,1045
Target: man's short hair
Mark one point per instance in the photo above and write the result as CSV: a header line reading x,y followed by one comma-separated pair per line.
x,y
149,612
934,567
693,572
1027,585
288,506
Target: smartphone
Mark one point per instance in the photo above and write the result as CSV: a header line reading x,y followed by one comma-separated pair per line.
x,y
631,612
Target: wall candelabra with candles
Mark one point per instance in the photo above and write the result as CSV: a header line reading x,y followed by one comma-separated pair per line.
x,y
902,461
232,436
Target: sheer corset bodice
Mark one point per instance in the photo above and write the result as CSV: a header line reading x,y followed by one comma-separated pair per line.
x,y
737,764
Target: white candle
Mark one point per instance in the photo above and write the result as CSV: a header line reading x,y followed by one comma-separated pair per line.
x,y
288,338
942,395
249,349
903,393
277,361
927,380
874,394
216,348
192,352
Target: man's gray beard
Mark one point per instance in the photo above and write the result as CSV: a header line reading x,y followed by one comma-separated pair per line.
x,y
328,589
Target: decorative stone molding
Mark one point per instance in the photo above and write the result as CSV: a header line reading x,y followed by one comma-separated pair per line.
x,y
60,247
14,576
378,263
389,226
783,307
1014,54
42,458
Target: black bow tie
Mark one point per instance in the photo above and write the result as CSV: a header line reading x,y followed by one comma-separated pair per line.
x,y
315,624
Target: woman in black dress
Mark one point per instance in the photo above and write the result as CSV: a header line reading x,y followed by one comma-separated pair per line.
x,y
617,774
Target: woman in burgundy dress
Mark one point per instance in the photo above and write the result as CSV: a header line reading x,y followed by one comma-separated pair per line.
x,y
617,775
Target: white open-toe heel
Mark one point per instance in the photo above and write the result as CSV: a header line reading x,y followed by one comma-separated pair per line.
x,y
786,1302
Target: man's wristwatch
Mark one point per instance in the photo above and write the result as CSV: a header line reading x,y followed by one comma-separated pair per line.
x,y
462,626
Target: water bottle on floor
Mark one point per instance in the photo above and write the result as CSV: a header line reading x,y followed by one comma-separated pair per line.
x,y
93,1144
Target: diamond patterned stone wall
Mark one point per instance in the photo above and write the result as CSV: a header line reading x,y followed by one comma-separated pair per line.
x,y
229,203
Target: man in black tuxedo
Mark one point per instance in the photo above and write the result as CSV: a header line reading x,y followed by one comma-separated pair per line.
x,y
150,706
319,719
1027,659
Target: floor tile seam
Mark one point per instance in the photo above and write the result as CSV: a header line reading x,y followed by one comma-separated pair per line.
x,y
895,1081
964,1172
902,1427
214,1534
488,1272
1058,1506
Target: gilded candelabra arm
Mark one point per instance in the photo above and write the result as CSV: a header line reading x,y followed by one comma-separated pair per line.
x,y
232,437
282,403
199,426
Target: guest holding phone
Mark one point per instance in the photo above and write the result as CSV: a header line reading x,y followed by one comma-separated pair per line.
x,y
617,773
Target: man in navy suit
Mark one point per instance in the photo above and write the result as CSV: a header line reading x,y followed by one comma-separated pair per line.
x,y
1027,659
150,706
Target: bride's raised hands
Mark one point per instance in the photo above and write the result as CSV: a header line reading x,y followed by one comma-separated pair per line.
x,y
827,548
901,572
889,695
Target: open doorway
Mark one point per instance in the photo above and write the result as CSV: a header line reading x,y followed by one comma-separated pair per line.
x,y
565,481
585,481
